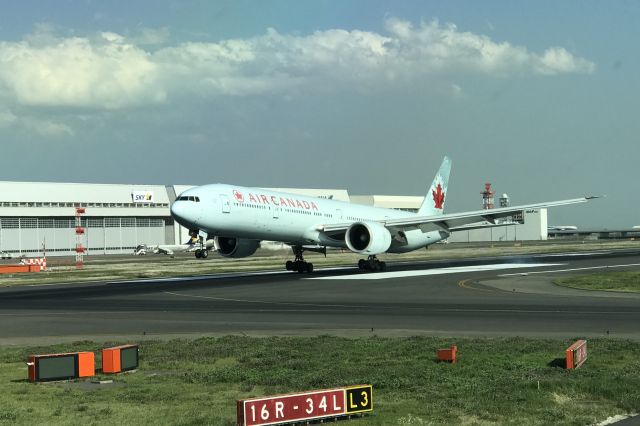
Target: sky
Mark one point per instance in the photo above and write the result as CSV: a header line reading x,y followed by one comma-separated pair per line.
x,y
541,99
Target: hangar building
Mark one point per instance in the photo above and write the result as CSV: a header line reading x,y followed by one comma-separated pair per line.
x,y
37,217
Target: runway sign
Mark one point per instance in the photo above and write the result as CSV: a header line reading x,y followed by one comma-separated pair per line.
x,y
61,366
119,358
576,354
359,399
318,404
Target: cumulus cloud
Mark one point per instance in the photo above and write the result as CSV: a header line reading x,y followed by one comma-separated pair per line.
x,y
112,71
557,60
105,72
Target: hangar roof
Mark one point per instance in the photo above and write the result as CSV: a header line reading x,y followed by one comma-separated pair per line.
x,y
76,192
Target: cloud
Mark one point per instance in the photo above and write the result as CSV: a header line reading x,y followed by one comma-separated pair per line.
x,y
48,128
456,91
558,60
152,36
105,72
7,117
111,71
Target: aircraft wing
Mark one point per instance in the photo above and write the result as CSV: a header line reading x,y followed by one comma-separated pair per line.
x,y
460,221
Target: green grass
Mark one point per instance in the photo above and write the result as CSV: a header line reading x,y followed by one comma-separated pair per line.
x,y
610,281
496,381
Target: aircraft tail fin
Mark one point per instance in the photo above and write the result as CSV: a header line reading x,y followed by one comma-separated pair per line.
x,y
433,204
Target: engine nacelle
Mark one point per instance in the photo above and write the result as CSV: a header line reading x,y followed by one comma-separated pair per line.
x,y
235,247
368,238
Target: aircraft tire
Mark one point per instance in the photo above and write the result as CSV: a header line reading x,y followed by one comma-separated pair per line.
x,y
289,265
362,264
383,266
198,253
301,267
309,267
204,254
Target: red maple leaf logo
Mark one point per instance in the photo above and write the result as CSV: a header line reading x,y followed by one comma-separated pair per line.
x,y
438,197
238,196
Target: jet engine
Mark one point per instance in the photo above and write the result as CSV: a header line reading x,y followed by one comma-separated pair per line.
x,y
368,238
235,247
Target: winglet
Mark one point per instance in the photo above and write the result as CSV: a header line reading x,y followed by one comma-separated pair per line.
x,y
433,203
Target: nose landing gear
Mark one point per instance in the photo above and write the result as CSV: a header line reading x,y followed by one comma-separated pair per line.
x,y
201,252
372,264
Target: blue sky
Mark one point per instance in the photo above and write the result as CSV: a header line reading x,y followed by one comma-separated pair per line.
x,y
540,98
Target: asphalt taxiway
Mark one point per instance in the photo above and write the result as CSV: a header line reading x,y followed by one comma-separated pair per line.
x,y
503,296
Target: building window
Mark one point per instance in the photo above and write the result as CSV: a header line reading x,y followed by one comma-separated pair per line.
x,y
111,222
9,222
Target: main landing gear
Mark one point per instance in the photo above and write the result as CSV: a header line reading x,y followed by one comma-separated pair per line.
x,y
202,253
299,263
372,264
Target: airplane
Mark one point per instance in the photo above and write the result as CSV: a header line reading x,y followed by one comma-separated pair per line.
x,y
238,218
562,228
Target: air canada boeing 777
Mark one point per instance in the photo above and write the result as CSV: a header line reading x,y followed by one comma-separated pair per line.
x,y
238,218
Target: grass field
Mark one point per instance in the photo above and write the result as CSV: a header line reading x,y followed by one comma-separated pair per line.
x,y
610,281
156,266
496,381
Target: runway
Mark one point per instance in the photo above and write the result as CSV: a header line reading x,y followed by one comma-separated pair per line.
x,y
503,296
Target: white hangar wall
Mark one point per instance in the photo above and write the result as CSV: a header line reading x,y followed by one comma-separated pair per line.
x,y
534,228
37,216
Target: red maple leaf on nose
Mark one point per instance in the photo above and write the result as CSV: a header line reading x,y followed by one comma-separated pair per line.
x,y
238,196
438,197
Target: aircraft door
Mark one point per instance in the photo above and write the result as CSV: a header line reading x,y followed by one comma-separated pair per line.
x,y
224,202
339,214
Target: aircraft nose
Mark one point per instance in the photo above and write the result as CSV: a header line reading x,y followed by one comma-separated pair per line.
x,y
179,211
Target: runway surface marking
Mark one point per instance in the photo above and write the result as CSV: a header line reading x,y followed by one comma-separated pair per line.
x,y
438,271
595,253
467,285
570,269
225,299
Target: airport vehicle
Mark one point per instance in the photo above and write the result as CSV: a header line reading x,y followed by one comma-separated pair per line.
x,y
238,218
170,249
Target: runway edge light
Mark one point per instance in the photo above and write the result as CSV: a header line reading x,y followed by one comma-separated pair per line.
x,y
576,354
448,355
120,358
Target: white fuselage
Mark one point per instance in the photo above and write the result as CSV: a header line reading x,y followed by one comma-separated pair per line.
x,y
259,214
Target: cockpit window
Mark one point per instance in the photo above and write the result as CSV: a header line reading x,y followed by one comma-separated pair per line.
x,y
188,198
